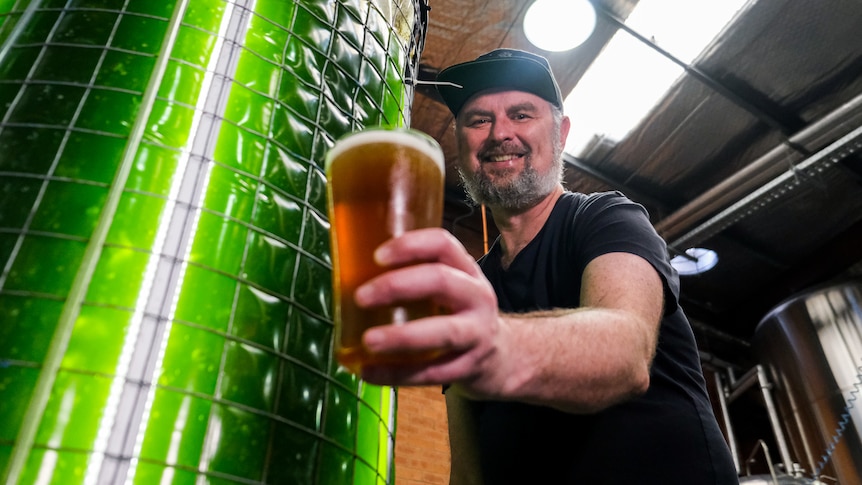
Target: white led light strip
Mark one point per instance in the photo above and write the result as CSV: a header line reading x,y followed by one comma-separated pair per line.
x,y
124,425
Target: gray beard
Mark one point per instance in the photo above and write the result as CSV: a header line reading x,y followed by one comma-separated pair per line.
x,y
521,193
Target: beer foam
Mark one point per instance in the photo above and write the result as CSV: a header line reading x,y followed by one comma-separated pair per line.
x,y
414,139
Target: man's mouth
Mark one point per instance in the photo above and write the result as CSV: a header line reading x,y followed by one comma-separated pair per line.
x,y
502,157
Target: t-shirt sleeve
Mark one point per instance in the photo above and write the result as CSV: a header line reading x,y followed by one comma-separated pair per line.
x,y
610,222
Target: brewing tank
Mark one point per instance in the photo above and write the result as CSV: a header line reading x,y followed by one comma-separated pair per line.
x,y
811,346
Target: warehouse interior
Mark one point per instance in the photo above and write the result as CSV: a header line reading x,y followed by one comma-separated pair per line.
x,y
751,151
165,291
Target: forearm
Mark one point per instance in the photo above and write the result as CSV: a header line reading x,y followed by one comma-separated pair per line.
x,y
580,361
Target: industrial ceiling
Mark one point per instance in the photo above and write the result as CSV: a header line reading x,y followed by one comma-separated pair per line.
x,y
753,152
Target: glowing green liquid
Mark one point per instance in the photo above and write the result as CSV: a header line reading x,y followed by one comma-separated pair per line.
x,y
165,280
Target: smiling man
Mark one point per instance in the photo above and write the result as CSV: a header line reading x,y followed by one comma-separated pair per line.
x,y
564,351
499,180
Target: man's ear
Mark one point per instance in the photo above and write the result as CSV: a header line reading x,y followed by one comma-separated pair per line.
x,y
565,126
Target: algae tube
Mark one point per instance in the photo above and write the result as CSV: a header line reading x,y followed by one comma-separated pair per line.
x,y
164,256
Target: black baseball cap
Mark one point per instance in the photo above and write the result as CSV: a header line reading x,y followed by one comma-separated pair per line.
x,y
500,68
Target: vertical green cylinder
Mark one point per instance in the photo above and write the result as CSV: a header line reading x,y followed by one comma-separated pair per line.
x,y
164,258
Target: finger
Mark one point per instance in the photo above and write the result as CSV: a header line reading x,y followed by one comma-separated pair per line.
x,y
434,244
446,286
442,370
431,337
455,368
443,334
398,375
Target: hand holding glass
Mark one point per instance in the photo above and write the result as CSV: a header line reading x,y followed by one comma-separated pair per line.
x,y
382,182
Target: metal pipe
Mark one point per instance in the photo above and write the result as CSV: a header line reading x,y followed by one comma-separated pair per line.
x,y
775,189
707,359
761,445
760,171
757,375
772,164
766,388
742,384
725,416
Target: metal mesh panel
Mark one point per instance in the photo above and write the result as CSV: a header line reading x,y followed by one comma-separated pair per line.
x,y
165,285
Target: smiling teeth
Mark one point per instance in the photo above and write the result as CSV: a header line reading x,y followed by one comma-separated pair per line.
x,y
502,158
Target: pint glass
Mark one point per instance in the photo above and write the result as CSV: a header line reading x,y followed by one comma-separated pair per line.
x,y
382,182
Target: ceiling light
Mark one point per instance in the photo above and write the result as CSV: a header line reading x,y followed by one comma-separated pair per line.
x,y
695,261
559,25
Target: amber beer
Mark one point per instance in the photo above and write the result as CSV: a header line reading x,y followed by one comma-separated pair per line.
x,y
382,182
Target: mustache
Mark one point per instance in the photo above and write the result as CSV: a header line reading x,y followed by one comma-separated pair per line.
x,y
492,149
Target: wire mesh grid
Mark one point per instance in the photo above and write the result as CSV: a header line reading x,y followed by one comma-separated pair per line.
x,y
210,281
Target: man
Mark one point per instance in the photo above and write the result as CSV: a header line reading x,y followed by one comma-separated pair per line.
x,y
564,351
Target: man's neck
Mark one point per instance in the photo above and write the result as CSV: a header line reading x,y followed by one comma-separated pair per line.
x,y
517,229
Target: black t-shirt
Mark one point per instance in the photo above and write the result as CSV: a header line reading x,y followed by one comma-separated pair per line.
x,y
667,436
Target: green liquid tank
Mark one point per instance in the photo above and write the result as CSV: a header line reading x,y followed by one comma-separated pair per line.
x,y
164,255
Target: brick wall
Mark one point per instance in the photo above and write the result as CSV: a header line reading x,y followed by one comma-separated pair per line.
x,y
421,440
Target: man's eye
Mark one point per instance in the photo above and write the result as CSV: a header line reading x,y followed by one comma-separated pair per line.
x,y
522,116
480,121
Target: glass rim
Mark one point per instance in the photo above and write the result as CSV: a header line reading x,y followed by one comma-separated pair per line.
x,y
403,135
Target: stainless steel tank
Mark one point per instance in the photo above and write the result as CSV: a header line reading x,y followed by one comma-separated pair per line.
x,y
776,480
811,346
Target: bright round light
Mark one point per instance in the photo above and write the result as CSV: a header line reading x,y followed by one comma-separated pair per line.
x,y
700,260
559,25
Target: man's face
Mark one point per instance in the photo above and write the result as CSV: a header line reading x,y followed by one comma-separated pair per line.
x,y
509,148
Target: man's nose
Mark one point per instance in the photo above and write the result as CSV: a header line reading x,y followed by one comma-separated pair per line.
x,y
502,129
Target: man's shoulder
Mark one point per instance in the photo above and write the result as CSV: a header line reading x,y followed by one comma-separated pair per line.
x,y
609,196
595,201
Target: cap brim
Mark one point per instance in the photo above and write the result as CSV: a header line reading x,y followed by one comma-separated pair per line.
x,y
511,73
